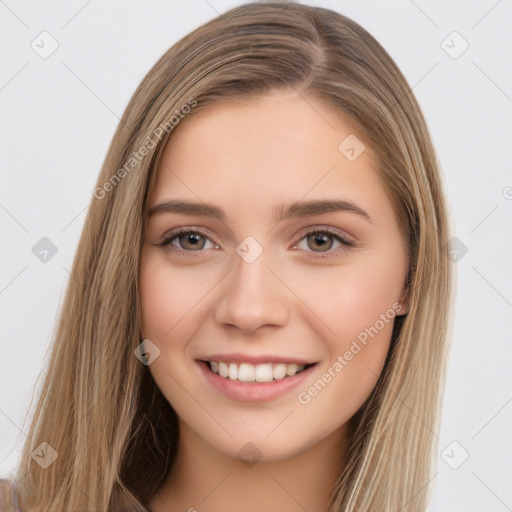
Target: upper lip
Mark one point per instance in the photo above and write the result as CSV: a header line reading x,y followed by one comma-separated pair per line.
x,y
245,358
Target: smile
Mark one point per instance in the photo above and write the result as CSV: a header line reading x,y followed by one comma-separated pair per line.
x,y
247,372
258,382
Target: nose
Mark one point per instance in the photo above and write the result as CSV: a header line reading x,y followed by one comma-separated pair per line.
x,y
252,297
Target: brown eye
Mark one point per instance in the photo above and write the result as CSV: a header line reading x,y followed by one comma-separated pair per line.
x,y
186,241
322,241
191,241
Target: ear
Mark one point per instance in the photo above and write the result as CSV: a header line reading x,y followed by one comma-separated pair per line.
x,y
404,299
404,309
404,302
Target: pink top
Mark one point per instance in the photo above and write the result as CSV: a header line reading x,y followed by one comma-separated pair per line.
x,y
8,496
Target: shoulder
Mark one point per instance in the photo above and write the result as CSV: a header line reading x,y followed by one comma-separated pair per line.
x,y
8,496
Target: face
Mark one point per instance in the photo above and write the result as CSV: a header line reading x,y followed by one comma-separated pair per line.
x,y
297,265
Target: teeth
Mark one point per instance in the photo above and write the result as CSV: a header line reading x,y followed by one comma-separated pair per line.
x,y
233,372
223,369
247,372
291,369
264,373
280,371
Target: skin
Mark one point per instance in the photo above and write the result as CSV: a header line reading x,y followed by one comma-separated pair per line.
x,y
247,156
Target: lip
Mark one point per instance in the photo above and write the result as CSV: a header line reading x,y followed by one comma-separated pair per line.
x,y
253,391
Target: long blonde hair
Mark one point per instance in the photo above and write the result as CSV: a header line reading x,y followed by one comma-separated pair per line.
x,y
114,433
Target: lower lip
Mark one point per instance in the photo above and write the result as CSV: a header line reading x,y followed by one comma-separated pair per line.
x,y
253,391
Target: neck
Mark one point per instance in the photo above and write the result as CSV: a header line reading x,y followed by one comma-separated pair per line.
x,y
206,480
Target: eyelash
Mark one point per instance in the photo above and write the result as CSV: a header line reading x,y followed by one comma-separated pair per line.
x,y
187,231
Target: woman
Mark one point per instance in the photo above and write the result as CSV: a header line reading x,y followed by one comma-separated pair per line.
x,y
260,297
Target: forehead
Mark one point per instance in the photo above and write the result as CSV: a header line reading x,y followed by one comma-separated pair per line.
x,y
256,152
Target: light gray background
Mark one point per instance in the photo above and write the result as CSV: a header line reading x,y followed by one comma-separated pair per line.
x,y
58,116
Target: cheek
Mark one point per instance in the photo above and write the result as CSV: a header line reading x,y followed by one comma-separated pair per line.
x,y
351,297
355,302
360,314
155,296
167,296
171,305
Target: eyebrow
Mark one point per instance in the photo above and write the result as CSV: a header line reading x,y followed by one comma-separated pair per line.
x,y
281,212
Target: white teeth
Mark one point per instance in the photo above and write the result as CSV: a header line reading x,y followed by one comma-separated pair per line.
x,y
233,371
279,371
264,373
223,369
247,372
291,369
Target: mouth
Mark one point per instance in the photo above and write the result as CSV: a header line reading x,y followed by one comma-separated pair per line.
x,y
261,372
258,381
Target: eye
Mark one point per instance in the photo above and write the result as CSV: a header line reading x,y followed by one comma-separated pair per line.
x,y
186,240
322,241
